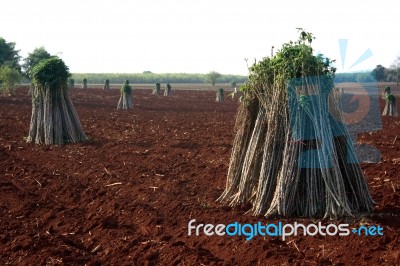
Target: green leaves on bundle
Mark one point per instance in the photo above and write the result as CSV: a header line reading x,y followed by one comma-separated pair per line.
x,y
294,60
391,98
50,72
126,88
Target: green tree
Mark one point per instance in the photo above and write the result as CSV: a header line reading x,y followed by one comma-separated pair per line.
x,y
8,55
212,77
8,78
379,73
33,58
393,73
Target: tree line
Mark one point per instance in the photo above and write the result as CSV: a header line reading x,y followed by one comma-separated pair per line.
x,y
365,76
152,78
14,69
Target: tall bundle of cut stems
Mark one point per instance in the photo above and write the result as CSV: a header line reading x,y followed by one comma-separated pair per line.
x,y
390,105
106,84
292,156
84,83
71,83
125,101
157,89
220,95
54,119
168,90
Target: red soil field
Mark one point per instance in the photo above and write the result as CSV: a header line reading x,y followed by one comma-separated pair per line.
x,y
126,196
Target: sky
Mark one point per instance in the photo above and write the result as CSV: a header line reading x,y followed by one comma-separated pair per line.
x,y
186,36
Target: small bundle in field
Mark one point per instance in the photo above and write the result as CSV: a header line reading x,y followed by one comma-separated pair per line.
x,y
71,83
125,101
54,119
168,90
84,83
390,105
220,95
292,155
233,86
157,89
106,84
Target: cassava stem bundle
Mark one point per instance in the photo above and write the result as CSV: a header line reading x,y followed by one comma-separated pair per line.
x,y
125,101
168,90
54,119
292,155
220,95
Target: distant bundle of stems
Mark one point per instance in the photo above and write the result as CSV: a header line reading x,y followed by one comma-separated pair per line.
x,y
84,83
125,100
106,84
54,119
292,156
71,83
220,95
391,104
168,90
157,89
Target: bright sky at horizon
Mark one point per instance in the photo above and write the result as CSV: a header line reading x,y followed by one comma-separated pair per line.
x,y
184,36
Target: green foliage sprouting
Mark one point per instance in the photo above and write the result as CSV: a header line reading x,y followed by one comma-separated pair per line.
x,y
51,73
294,60
391,98
126,88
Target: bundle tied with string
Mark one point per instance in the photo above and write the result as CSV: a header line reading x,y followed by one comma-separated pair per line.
x,y
54,119
292,155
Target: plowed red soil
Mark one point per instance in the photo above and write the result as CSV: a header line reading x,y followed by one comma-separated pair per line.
x,y
126,196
